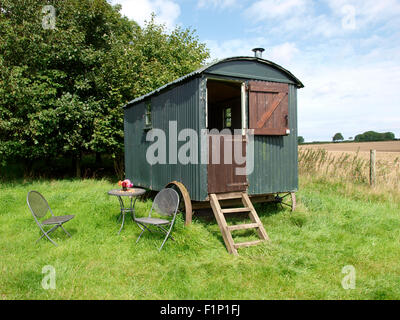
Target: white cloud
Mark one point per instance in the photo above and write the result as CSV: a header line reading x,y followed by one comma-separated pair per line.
x,y
167,11
292,18
281,53
271,9
307,18
350,98
367,11
302,15
233,47
222,4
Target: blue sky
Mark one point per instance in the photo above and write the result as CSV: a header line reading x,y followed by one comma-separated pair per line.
x,y
346,52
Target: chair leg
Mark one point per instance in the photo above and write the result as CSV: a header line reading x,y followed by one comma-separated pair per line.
x,y
137,240
143,227
65,230
166,237
166,232
46,234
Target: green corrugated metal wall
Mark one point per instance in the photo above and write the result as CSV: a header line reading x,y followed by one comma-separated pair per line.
x,y
180,104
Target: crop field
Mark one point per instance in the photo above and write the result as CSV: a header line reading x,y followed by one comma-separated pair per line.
x,y
379,146
352,161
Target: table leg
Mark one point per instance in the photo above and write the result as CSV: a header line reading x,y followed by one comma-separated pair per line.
x,y
122,225
121,203
124,210
132,208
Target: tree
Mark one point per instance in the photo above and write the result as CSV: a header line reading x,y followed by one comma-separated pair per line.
x,y
388,136
300,140
62,88
337,137
48,75
374,136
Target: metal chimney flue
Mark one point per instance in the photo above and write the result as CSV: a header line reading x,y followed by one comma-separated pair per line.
x,y
258,52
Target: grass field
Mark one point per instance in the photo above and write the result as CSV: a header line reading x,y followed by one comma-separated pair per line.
x,y
336,224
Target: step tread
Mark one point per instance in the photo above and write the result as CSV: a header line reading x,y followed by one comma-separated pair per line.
x,y
230,195
248,243
243,226
235,210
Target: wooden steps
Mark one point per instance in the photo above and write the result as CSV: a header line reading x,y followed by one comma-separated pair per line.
x,y
226,230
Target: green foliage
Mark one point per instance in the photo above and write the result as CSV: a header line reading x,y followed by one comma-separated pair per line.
x,y
374,136
300,140
62,89
48,76
337,137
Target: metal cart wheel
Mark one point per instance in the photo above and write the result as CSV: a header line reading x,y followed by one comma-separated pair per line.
x,y
287,199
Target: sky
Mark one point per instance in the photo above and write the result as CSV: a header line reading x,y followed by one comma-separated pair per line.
x,y
346,52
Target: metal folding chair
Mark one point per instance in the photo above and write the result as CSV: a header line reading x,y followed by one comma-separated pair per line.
x,y
39,208
165,204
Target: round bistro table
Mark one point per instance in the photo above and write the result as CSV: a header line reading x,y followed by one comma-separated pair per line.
x,y
132,193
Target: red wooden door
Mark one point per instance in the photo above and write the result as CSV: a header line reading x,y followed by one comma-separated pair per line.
x,y
268,108
222,165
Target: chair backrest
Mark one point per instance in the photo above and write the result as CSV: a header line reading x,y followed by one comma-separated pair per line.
x,y
37,204
166,202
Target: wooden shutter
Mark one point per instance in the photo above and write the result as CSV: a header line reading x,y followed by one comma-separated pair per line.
x,y
269,108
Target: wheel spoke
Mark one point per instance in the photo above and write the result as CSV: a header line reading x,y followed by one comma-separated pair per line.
x,y
286,204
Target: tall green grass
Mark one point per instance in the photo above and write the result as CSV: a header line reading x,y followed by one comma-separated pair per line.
x,y
336,224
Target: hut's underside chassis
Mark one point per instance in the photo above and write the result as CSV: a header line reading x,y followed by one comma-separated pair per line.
x,y
287,199
283,199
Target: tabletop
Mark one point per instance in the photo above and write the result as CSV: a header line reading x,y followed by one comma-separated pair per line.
x,y
131,192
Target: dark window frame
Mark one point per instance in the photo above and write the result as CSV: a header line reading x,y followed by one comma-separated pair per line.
x,y
147,117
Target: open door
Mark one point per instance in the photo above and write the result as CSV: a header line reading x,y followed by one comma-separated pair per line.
x,y
224,116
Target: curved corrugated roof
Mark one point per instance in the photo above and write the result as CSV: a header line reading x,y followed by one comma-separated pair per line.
x,y
204,69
